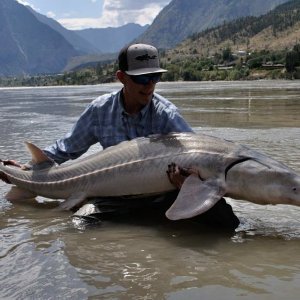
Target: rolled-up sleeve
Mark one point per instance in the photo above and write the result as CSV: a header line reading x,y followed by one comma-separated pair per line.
x,y
77,141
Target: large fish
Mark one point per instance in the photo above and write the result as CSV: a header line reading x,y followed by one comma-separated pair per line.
x,y
138,167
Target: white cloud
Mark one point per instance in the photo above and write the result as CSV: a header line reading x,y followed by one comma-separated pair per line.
x,y
80,23
51,14
119,12
114,13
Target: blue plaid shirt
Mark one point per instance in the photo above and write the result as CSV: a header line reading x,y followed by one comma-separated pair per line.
x,y
106,121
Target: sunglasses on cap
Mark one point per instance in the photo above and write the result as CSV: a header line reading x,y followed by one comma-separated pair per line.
x,y
146,78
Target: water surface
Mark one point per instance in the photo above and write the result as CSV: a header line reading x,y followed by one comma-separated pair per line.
x,y
44,255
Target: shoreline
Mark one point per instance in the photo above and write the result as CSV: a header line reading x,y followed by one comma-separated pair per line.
x,y
54,81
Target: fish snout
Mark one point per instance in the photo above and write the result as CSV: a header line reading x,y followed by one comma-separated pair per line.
x,y
296,196
293,197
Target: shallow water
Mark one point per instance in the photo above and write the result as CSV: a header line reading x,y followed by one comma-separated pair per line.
x,y
44,255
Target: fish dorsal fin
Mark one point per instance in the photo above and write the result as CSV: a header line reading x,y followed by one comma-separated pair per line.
x,y
195,197
38,156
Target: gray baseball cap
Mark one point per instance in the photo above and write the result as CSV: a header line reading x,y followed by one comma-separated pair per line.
x,y
139,59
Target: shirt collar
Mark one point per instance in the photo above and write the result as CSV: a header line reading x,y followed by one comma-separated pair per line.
x,y
142,112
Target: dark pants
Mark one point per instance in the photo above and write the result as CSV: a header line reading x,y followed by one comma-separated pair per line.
x,y
152,210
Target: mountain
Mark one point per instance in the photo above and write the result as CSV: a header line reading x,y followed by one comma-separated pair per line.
x,y
31,47
36,44
180,18
95,40
110,40
81,45
277,30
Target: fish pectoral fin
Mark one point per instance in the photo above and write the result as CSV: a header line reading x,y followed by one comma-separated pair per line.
x,y
195,197
73,200
16,194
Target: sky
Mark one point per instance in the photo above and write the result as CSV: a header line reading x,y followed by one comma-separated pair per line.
x,y
79,14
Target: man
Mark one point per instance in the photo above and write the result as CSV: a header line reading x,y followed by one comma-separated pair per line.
x,y
134,111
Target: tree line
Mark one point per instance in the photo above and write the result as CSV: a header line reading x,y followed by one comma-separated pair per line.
x,y
191,69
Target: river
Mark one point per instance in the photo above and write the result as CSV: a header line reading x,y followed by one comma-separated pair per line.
x,y
44,255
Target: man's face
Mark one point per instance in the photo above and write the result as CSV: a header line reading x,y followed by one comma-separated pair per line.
x,y
138,92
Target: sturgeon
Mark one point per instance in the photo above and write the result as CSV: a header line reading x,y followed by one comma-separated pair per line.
x,y
138,167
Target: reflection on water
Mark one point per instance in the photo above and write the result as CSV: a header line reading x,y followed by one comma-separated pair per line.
x,y
238,105
43,255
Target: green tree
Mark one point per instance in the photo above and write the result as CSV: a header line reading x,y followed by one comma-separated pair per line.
x,y
292,59
227,54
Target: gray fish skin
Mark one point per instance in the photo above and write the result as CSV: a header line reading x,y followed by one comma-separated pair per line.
x,y
138,167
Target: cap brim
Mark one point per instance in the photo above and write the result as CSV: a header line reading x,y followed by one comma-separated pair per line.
x,y
145,71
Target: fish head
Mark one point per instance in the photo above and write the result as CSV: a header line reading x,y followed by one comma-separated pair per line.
x,y
289,190
279,187
264,183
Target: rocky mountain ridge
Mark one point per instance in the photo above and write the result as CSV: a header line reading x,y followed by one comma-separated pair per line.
x,y
180,18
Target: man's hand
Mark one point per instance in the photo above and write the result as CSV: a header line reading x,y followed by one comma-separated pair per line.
x,y
13,163
177,174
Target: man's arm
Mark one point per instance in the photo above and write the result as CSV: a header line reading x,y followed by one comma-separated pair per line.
x,y
77,141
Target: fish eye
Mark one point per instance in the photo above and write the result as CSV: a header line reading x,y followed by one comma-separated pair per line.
x,y
294,189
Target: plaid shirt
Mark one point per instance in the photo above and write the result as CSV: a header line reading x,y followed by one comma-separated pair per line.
x,y
105,121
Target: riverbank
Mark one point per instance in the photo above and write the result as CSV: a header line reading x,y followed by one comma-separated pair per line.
x,y
92,76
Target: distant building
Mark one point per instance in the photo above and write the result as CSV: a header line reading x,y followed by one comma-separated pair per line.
x,y
241,53
271,65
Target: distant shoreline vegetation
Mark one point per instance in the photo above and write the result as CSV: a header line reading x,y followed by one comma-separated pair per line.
x,y
225,65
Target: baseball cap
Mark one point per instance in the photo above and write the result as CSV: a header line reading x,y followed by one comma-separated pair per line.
x,y
139,59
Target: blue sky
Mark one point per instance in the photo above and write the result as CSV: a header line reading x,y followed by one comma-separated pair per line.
x,y
79,14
